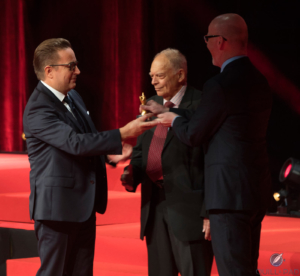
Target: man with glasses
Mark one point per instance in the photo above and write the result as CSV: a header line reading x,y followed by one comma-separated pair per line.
x,y
68,175
231,121
171,175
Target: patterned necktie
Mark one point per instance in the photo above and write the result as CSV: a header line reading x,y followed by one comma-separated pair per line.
x,y
154,167
77,114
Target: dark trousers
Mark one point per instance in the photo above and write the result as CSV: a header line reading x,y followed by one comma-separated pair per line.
x,y
235,239
66,248
167,255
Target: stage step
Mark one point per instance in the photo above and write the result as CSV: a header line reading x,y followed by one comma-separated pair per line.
x,y
14,173
120,244
118,251
123,207
15,168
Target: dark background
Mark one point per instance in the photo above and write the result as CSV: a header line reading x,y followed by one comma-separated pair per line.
x,y
115,42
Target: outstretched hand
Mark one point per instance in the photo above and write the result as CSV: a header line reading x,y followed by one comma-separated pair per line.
x,y
154,107
126,154
166,119
137,127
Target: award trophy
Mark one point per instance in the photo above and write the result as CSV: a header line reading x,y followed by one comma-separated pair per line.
x,y
143,102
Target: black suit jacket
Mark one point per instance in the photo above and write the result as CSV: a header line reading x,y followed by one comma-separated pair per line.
x,y
231,122
183,178
67,177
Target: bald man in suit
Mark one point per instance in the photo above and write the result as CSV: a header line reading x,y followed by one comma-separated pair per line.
x,y
231,122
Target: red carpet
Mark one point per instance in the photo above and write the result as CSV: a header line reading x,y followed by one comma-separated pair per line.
x,y
119,252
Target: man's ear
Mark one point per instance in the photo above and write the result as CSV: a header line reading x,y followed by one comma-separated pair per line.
x,y
181,75
48,72
221,43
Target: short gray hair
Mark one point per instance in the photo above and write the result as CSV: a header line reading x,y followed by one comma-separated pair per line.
x,y
47,53
177,59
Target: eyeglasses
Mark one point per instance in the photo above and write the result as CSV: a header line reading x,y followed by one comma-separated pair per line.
x,y
72,65
207,37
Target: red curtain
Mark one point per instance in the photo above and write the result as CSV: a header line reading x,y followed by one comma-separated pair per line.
x,y
115,42
107,40
120,62
12,74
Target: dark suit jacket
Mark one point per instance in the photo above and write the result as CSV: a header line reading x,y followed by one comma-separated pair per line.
x,y
231,122
183,178
68,177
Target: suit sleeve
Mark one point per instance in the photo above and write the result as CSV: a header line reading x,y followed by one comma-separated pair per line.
x,y
44,123
186,113
207,118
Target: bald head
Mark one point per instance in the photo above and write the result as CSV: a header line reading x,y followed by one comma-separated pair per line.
x,y
233,27
227,37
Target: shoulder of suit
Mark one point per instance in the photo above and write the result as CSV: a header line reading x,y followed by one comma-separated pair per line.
x,y
39,94
196,94
74,94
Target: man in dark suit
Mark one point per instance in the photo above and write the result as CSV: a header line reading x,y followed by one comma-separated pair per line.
x,y
231,121
68,175
171,174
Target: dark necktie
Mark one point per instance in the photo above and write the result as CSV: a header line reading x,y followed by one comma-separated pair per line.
x,y
154,167
77,114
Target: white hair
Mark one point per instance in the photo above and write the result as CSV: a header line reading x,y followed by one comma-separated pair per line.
x,y
177,59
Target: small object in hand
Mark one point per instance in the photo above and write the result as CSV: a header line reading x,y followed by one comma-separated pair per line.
x,y
143,101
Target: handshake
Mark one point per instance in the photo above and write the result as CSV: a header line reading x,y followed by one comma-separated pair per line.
x,y
140,125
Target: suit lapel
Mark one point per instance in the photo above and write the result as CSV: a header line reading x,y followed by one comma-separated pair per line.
x,y
83,112
59,106
72,118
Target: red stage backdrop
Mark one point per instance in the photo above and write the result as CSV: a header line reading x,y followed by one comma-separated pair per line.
x,y
12,74
115,42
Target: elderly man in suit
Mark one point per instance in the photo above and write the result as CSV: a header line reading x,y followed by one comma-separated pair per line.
x,y
68,175
231,121
171,174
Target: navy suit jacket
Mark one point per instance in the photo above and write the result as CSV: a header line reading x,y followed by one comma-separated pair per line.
x,y
231,121
68,175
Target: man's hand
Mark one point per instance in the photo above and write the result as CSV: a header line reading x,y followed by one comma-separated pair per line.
x,y
137,127
206,229
167,118
154,107
126,153
127,178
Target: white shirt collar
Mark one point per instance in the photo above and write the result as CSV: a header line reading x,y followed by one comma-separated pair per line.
x,y
58,94
176,99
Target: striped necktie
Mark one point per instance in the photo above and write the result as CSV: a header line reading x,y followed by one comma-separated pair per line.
x,y
154,166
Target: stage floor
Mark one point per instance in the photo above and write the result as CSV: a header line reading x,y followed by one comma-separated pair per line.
x,y
119,251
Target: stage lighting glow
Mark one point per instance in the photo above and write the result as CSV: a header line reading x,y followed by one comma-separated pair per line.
x,y
290,173
276,196
287,171
290,196
282,194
